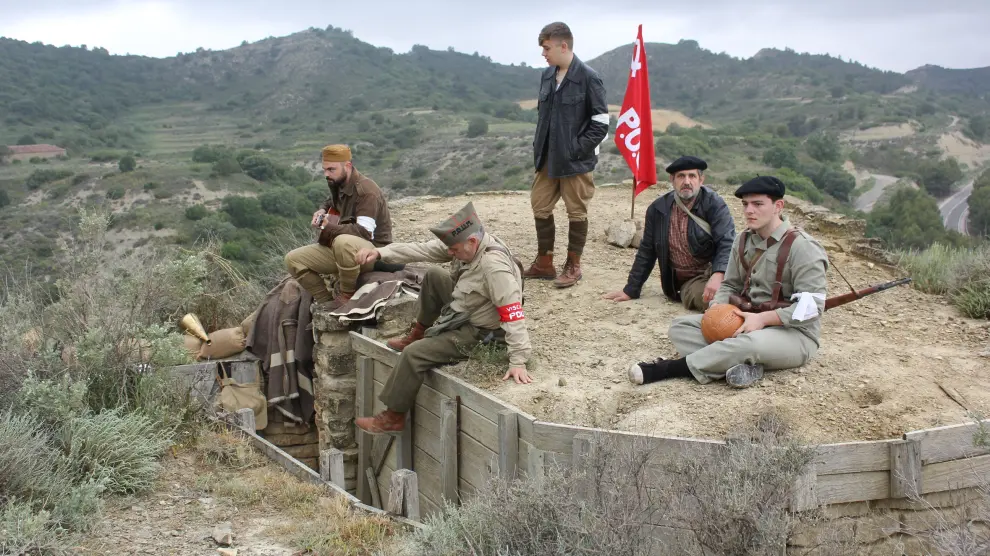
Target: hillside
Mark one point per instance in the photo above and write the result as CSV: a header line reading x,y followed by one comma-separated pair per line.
x,y
973,82
266,108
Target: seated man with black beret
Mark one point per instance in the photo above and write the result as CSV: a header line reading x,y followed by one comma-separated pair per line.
x,y
689,231
780,271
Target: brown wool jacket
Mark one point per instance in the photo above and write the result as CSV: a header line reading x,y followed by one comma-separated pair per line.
x,y
363,212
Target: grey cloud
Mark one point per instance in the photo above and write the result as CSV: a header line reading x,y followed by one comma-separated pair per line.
x,y
888,34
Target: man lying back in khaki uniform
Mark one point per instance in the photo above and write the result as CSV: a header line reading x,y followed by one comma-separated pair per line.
x,y
479,296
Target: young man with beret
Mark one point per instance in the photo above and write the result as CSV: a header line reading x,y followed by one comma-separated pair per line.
x,y
689,230
481,296
781,271
355,216
573,120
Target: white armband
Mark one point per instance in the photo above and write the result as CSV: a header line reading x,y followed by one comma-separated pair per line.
x,y
806,307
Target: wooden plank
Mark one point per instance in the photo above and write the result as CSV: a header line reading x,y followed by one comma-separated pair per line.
x,y
479,428
429,475
382,372
430,399
449,449
951,442
853,457
472,397
551,437
373,491
905,468
804,495
364,405
508,444
427,506
477,463
526,422
853,487
373,349
404,495
427,432
954,475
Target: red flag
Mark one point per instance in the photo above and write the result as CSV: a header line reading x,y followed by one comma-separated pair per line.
x,y
634,131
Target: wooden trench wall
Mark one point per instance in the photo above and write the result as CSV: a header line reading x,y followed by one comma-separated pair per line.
x,y
461,435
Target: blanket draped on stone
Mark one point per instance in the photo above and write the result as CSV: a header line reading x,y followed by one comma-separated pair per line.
x,y
375,288
281,339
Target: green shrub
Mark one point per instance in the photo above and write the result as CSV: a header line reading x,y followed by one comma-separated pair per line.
x,y
417,172
197,212
116,192
477,127
41,177
127,163
119,450
958,272
80,178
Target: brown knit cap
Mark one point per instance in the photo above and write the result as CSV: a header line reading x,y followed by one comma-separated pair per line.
x,y
336,153
458,227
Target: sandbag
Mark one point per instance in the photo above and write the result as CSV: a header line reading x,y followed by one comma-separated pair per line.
x,y
248,323
192,344
225,343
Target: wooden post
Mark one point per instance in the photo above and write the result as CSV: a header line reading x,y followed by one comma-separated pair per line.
x,y
403,498
905,468
245,419
449,471
535,465
364,406
804,495
508,443
581,454
404,458
632,209
332,467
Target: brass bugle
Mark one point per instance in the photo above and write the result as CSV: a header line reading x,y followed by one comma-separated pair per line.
x,y
192,325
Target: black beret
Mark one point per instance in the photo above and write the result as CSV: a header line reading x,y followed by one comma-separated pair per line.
x,y
686,163
761,185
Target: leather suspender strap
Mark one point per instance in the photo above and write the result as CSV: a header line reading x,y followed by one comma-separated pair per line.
x,y
782,254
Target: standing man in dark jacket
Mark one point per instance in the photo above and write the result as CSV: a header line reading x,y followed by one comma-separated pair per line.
x,y
692,258
573,121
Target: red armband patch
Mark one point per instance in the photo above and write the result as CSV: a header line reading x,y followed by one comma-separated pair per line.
x,y
511,313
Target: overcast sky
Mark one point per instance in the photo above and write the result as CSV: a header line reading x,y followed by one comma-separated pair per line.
x,y
889,34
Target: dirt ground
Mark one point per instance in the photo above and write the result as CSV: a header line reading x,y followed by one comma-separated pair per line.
x,y
964,149
269,512
875,376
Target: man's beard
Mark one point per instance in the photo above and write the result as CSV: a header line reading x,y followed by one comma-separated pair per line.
x,y
687,195
336,182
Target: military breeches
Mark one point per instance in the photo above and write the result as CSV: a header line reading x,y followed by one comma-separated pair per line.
x,y
338,260
577,192
437,290
774,347
420,356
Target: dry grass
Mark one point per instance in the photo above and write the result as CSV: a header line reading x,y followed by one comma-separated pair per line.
x,y
309,519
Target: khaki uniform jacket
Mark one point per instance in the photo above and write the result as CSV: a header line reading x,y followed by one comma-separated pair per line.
x,y
363,211
804,271
488,289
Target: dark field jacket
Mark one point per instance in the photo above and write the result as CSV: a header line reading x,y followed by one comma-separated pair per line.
x,y
655,246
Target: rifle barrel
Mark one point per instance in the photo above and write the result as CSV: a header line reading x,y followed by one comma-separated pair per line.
x,y
852,296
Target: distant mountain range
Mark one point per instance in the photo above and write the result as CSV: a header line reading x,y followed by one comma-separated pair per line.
x,y
330,70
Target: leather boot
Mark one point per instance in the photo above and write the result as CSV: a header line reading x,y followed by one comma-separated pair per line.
x,y
571,272
386,422
417,333
338,301
542,268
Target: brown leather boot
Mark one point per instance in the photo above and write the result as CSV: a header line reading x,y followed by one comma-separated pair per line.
x,y
386,422
571,272
417,333
542,268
